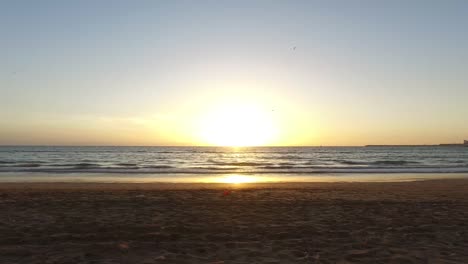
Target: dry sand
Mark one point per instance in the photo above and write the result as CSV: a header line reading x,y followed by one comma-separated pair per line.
x,y
406,222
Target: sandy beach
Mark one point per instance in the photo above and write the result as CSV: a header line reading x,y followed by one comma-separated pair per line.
x,y
404,222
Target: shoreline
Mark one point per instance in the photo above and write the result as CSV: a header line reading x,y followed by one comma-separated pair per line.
x,y
219,185
222,178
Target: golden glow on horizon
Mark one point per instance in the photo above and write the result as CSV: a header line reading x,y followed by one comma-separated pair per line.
x,y
238,125
238,179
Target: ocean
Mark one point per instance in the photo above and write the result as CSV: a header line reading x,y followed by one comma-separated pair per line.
x,y
174,163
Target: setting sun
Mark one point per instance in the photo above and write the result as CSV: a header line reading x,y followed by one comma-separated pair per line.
x,y
238,125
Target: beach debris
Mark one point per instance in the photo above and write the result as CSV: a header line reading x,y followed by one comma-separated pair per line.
x,y
316,257
358,252
123,246
227,192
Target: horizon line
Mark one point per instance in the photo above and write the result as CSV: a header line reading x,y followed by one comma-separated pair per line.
x,y
268,146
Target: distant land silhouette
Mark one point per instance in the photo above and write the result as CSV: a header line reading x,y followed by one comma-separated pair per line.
x,y
464,144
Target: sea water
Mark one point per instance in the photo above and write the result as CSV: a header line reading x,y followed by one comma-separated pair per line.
x,y
198,163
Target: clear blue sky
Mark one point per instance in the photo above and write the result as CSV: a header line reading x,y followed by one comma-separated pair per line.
x,y
140,72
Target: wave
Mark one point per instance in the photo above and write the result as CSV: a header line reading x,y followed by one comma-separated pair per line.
x,y
24,165
287,157
214,168
239,163
158,167
124,164
351,162
394,162
228,170
85,165
216,160
378,162
280,167
59,165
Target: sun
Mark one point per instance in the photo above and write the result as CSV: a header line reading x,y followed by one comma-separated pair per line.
x,y
238,125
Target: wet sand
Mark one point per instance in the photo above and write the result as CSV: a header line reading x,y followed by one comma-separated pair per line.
x,y
405,222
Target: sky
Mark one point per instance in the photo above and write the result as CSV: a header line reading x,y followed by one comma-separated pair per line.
x,y
205,72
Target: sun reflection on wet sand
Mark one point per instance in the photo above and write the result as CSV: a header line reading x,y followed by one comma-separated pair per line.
x,y
238,179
